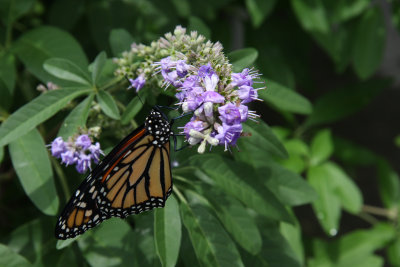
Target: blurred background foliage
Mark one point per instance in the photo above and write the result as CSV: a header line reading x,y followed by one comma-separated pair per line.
x,y
319,186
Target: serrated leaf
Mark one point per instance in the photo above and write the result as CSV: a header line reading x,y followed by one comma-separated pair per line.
x,y
235,178
35,112
344,101
31,161
42,43
259,10
263,139
327,206
212,245
98,66
167,232
108,105
321,147
131,110
242,58
76,118
120,41
285,99
10,259
66,70
369,43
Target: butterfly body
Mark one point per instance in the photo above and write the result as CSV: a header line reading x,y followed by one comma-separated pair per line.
x,y
134,177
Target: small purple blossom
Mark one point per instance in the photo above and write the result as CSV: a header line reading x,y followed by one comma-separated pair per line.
x,y
247,94
205,70
137,83
83,141
230,114
228,134
181,68
193,125
244,111
213,97
211,82
57,147
78,150
242,78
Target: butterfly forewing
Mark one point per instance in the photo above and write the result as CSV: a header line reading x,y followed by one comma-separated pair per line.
x,y
141,178
135,176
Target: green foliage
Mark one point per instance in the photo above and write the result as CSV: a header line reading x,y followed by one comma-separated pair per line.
x,y
320,60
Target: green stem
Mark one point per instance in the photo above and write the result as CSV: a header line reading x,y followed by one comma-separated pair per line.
x,y
180,195
62,177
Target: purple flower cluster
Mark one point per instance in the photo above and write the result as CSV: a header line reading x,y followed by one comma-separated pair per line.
x,y
80,151
218,106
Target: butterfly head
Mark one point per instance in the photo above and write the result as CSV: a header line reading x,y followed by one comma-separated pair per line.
x,y
159,127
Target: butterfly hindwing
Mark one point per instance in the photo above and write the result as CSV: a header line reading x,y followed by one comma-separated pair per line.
x,y
135,176
82,211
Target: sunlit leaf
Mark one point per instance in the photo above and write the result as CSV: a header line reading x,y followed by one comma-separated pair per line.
x,y
35,112
66,70
321,147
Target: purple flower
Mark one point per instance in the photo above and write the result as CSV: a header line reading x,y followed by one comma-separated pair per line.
x,y
228,134
83,141
213,97
195,125
180,96
68,157
137,83
57,147
242,78
83,163
230,114
182,68
243,110
211,82
206,70
166,63
171,77
190,82
247,94
95,152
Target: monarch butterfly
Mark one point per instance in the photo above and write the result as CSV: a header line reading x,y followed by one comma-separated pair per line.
x,y
134,177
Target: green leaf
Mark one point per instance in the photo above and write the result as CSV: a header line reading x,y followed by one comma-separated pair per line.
x,y
349,194
108,104
98,66
110,244
345,101
196,24
352,153
298,153
262,138
389,184
131,110
369,43
394,253
292,234
167,232
285,99
66,70
10,259
212,245
76,118
312,15
359,244
35,112
8,73
327,206
321,147
235,178
31,161
289,187
42,43
345,10
259,10
11,10
120,41
236,220
242,58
